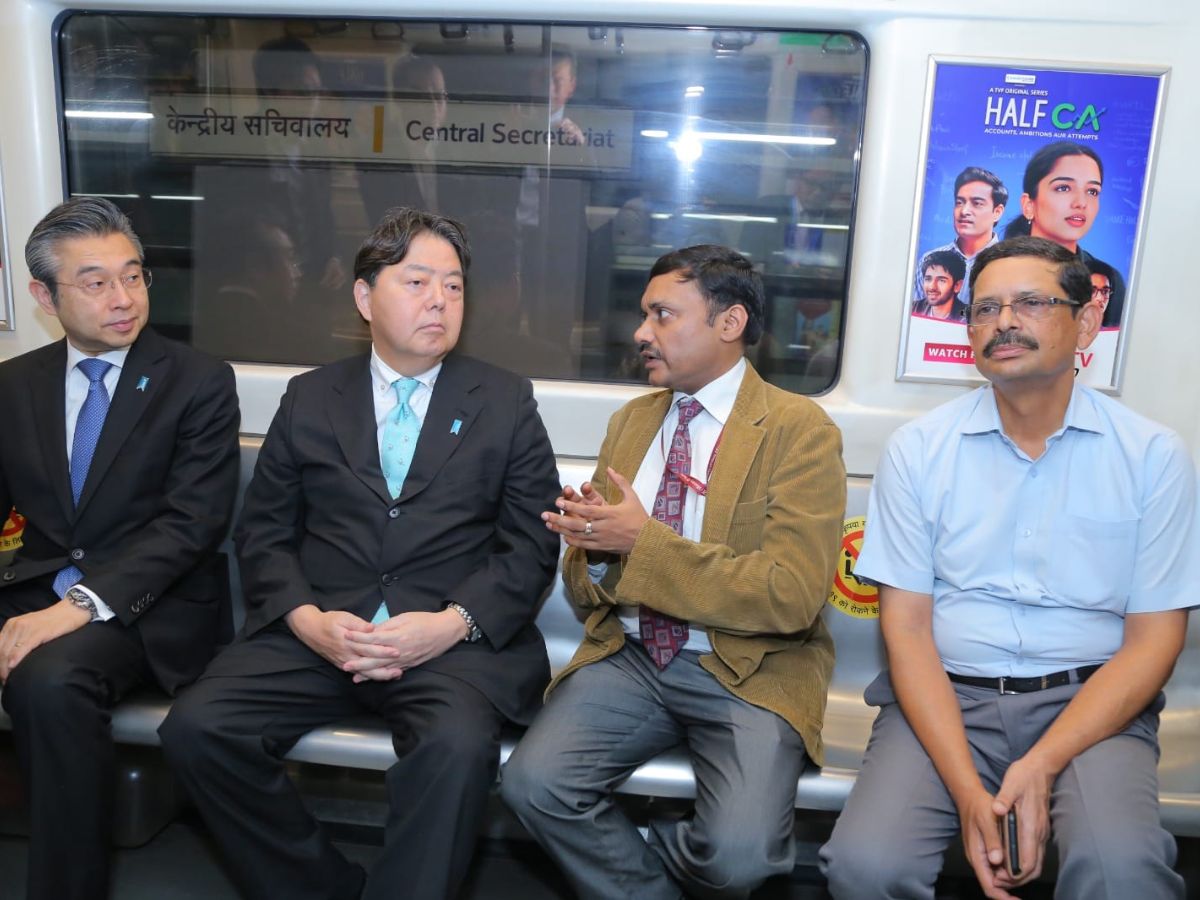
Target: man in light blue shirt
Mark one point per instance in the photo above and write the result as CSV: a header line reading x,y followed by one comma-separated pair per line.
x,y
1034,544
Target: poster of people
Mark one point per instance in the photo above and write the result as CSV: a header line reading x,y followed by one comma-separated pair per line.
x,y
1059,153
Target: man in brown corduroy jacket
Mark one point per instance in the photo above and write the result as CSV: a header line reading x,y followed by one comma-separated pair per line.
x,y
702,552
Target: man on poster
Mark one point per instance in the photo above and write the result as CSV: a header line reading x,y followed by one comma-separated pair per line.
x,y
942,275
979,201
1035,543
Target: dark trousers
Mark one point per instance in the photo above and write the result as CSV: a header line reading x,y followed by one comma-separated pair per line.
x,y
60,699
226,737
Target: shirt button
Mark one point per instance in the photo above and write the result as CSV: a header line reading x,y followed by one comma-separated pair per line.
x,y
386,578
76,554
1033,473
393,513
1026,533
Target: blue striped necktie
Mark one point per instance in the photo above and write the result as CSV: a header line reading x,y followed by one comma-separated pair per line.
x,y
400,434
83,446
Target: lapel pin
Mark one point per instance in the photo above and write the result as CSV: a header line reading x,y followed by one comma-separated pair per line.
x,y
454,428
143,383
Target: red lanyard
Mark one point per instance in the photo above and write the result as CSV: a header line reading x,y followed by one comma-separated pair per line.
x,y
700,487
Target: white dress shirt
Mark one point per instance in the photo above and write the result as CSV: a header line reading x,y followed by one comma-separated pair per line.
x,y
717,398
76,392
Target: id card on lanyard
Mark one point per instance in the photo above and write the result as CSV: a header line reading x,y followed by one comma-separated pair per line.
x,y
689,480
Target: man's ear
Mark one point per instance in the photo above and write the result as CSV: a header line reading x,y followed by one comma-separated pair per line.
x,y
1088,321
44,298
731,323
362,298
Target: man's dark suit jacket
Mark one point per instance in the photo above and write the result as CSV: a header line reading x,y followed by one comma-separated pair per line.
x,y
319,526
156,503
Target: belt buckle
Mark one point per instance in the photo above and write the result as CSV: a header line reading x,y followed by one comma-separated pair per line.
x,y
1002,679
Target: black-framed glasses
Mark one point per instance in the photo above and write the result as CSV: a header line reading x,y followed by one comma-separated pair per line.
x,y
95,286
1029,308
1102,291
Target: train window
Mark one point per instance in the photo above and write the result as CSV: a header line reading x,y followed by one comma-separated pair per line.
x,y
254,154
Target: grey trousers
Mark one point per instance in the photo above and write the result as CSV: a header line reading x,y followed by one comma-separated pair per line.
x,y
892,835
608,718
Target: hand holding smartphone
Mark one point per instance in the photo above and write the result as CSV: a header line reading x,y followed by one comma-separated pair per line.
x,y
1009,834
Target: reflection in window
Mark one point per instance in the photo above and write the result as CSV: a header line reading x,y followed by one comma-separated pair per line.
x,y
253,156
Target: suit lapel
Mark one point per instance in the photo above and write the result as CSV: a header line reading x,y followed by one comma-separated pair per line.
x,y
144,374
742,437
453,409
352,415
636,436
47,393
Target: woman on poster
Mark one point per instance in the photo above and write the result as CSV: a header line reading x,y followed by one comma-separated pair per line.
x,y
1060,202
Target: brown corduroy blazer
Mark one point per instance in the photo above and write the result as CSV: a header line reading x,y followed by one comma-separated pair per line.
x,y
759,576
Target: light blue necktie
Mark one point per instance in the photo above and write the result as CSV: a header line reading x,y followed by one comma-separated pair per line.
x,y
83,446
400,434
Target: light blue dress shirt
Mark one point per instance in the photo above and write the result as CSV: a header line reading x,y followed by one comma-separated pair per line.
x,y
1033,564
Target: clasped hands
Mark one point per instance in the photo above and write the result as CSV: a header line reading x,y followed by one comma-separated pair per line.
x,y
377,652
1026,788
586,520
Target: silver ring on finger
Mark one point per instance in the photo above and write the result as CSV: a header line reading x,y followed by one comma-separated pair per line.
x,y
587,529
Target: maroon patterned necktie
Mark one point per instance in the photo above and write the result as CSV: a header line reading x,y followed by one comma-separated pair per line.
x,y
663,635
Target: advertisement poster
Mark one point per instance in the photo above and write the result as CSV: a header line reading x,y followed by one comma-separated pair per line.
x,y
1060,153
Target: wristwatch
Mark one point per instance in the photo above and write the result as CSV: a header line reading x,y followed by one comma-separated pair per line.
x,y
473,633
81,599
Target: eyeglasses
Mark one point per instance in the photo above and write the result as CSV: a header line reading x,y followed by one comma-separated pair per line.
x,y
1030,308
1102,291
95,286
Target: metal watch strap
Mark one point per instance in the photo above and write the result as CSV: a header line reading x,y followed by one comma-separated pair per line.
x,y
473,632
80,598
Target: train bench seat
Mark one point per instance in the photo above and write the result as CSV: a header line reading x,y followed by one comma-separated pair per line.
x,y
363,743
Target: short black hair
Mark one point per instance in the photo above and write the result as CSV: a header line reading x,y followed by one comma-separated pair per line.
x,y
725,278
955,265
975,173
1073,275
389,242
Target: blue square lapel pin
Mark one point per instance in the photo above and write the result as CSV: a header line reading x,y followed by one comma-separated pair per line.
x,y
143,383
456,426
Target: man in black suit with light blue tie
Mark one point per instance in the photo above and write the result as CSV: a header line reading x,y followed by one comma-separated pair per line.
x,y
120,450
392,557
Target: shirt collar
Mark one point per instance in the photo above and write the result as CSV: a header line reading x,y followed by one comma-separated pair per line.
x,y
115,357
383,375
717,397
1081,413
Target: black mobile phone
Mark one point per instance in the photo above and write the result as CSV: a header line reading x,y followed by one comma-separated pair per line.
x,y
1012,848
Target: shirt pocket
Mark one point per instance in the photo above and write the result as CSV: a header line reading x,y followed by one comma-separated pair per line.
x,y
1090,564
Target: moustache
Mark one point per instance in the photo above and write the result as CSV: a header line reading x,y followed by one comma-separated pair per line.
x,y
1003,338
646,351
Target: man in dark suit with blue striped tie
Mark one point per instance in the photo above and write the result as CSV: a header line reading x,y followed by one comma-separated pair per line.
x,y
120,450
392,557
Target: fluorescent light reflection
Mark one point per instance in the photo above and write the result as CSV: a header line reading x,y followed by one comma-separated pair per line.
x,y
109,196
731,217
106,114
174,197
654,133
764,138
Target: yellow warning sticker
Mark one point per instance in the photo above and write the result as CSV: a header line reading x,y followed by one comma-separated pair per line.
x,y
849,594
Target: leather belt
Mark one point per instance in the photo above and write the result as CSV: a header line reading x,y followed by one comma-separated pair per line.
x,y
1006,685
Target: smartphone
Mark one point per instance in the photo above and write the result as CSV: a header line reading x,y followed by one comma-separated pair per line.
x,y
1012,849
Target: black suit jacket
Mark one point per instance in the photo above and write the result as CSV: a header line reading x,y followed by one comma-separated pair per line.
x,y
156,502
319,526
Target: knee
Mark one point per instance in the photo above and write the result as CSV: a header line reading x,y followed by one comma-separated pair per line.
x,y
858,868
734,860
529,786
44,687
1120,866
187,732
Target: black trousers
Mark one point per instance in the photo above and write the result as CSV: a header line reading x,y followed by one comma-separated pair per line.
x,y
226,737
60,699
